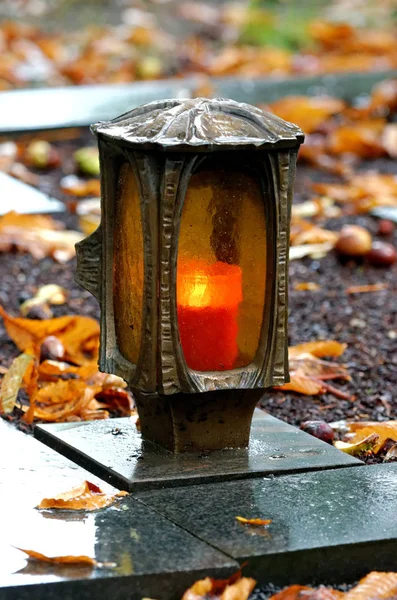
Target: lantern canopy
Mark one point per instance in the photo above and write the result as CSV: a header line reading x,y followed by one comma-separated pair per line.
x,y
190,263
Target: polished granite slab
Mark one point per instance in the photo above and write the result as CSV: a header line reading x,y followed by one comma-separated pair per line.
x,y
152,556
327,526
114,451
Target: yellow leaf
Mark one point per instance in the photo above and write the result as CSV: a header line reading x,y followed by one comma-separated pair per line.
x,y
86,496
12,382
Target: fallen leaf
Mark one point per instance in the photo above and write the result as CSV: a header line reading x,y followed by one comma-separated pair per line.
x,y
308,373
307,112
302,385
356,448
375,586
293,592
318,348
39,235
360,289
234,588
384,430
12,382
47,294
74,186
317,250
258,522
58,560
86,496
79,335
307,286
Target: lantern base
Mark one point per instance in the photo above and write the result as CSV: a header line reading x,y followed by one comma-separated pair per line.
x,y
198,422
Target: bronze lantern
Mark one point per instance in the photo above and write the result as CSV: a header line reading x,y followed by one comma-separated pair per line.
x,y
190,264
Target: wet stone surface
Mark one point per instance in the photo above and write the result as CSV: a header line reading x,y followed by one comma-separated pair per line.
x,y
327,526
152,556
123,460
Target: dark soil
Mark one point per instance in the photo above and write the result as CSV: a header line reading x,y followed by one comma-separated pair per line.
x,y
367,322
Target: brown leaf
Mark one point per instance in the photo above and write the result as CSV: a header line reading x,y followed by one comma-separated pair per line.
x,y
360,289
40,236
258,522
75,332
81,560
293,592
86,496
302,385
307,112
234,588
375,586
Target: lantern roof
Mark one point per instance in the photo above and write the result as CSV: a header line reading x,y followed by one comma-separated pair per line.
x,y
200,124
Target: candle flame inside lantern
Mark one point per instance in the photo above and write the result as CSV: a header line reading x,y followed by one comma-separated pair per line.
x,y
208,297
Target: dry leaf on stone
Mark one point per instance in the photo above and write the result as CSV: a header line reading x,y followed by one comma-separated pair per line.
x,y
361,447
12,382
86,496
257,522
39,235
58,560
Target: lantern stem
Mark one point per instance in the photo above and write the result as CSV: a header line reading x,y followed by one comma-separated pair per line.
x,y
198,422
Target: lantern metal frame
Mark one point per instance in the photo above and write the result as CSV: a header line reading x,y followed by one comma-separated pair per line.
x,y
164,156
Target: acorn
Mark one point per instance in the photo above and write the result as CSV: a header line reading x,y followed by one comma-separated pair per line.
x,y
385,227
382,255
51,349
353,241
319,429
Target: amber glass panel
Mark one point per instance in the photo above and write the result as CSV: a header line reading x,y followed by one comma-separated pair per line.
x,y
221,272
128,265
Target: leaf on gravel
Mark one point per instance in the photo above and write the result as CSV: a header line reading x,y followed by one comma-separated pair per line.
x,y
385,430
307,112
234,588
258,522
46,294
58,560
362,193
302,385
308,373
375,586
320,348
86,496
356,448
12,382
78,334
314,250
306,286
39,235
301,592
363,289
